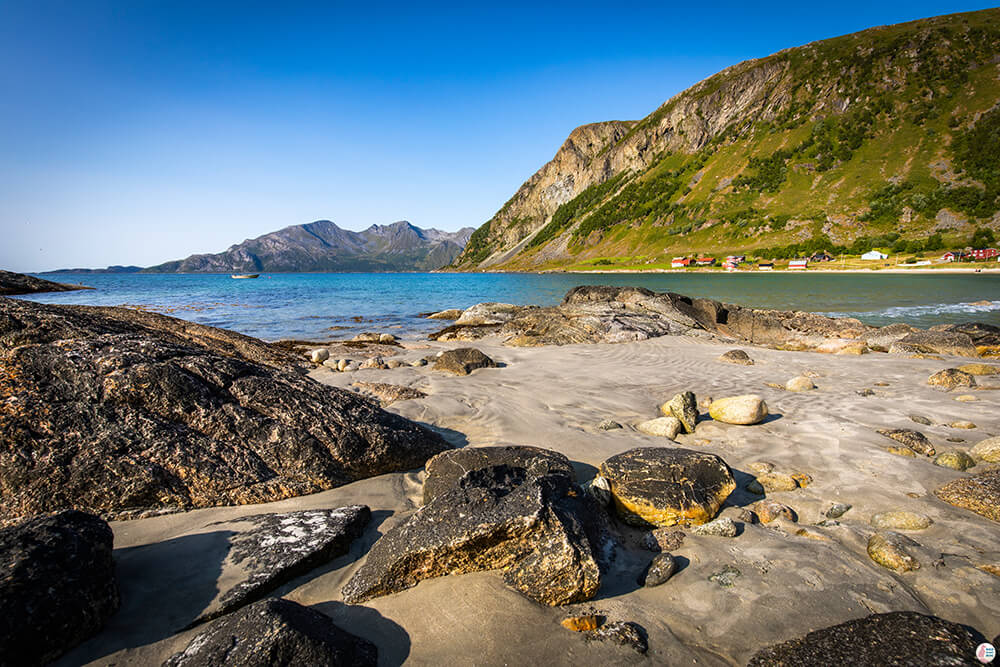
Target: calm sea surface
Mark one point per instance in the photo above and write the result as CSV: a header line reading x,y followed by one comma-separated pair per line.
x,y
335,305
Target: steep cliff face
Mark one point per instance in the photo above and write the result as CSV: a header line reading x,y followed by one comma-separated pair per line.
x,y
323,246
803,143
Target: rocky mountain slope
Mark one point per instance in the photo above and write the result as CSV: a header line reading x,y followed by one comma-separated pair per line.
x,y
323,246
886,136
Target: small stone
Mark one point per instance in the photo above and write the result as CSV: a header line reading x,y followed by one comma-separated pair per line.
x,y
901,451
760,467
881,384
663,539
773,482
915,440
770,510
449,314
748,516
393,363
726,577
802,478
987,450
950,378
624,633
386,338
962,425
721,527
376,363
705,402
582,623
418,363
661,568
320,355
609,425
744,410
980,369
955,459
811,534
599,490
800,383
888,549
865,392
667,427
900,520
966,398
736,357
683,406
837,510
920,419
343,364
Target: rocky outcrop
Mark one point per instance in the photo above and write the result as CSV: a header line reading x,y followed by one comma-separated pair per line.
x,y
664,486
896,638
118,414
18,283
279,547
387,394
275,632
57,586
979,493
463,360
952,343
445,471
541,532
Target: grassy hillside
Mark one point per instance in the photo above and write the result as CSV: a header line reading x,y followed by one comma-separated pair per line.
x,y
888,137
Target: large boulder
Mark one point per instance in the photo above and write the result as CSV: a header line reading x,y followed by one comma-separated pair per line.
x,y
539,531
915,440
743,410
446,470
57,585
123,413
279,547
664,486
979,493
895,638
881,339
951,378
275,632
987,450
463,360
935,342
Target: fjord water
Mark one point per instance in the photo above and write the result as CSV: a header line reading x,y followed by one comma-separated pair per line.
x,y
321,306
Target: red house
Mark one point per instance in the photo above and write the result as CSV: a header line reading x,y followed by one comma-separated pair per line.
x,y
705,261
983,254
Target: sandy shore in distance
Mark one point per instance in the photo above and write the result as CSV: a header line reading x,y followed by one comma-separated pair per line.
x,y
554,397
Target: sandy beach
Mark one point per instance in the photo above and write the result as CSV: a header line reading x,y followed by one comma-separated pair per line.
x,y
170,567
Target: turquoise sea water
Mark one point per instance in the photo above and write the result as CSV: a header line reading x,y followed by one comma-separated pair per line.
x,y
320,306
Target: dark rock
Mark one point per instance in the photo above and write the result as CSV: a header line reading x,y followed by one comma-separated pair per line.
x,y
684,406
623,633
663,486
935,342
18,283
979,493
275,632
739,357
661,568
920,419
57,585
978,332
446,470
124,413
896,638
280,547
609,425
542,532
462,361
837,510
387,394
915,440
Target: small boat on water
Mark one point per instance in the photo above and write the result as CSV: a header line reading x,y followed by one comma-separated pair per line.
x,y
245,275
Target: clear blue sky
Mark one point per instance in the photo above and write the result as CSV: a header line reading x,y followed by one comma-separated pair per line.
x,y
136,132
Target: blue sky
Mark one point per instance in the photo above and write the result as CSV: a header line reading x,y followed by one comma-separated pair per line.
x,y
136,132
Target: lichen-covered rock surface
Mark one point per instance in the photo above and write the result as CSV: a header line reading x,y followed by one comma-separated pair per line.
x,y
665,486
123,413
979,493
275,632
57,585
543,533
279,547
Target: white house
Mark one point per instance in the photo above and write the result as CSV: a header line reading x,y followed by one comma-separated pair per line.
x,y
874,254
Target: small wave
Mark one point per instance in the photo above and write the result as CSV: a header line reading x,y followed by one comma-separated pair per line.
x,y
903,312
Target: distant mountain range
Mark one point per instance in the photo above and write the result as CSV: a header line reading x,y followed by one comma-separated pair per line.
x,y
322,246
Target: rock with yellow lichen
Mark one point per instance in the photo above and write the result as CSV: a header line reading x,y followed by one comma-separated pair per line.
x,y
665,486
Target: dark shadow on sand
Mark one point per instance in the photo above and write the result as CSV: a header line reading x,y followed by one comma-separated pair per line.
x,y
392,640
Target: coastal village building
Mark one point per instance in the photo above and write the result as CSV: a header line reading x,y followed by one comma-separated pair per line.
x,y
798,264
984,254
954,256
680,262
736,259
821,257
765,266
705,261
874,254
